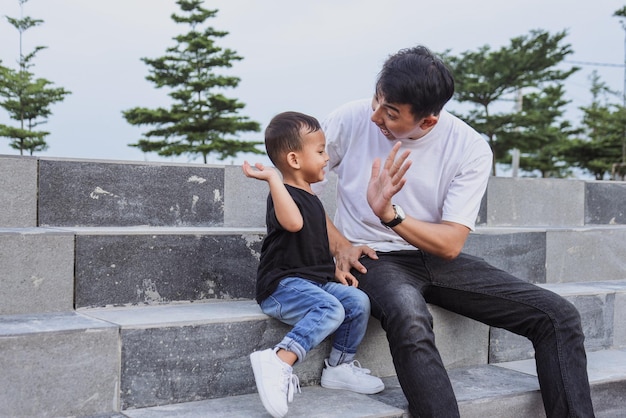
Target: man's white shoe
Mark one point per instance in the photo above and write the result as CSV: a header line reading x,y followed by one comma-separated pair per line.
x,y
275,381
350,376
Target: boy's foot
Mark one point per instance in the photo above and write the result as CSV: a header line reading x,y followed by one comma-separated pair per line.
x,y
275,381
350,376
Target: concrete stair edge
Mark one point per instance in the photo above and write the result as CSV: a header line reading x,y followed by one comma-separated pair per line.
x,y
488,390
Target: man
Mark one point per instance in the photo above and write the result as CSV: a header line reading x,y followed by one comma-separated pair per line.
x,y
401,225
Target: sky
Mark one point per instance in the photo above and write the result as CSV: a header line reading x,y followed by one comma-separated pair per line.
x,y
307,56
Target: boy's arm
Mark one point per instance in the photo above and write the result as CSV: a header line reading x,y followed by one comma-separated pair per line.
x,y
287,212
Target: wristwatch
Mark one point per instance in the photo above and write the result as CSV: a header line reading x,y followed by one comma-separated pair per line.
x,y
397,219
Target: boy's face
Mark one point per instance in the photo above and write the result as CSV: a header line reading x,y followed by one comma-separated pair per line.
x,y
396,121
313,157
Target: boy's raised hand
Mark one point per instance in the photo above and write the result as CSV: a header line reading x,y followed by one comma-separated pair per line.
x,y
261,172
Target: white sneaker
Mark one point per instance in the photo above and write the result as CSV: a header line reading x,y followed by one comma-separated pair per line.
x,y
275,381
350,376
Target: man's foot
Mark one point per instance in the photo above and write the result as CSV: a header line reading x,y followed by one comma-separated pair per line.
x,y
350,376
275,381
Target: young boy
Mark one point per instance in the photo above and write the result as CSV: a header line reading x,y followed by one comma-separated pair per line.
x,y
297,280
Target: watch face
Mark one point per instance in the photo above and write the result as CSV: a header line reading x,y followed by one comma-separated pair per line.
x,y
399,212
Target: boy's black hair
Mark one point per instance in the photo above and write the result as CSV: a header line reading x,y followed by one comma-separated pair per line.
x,y
417,77
284,134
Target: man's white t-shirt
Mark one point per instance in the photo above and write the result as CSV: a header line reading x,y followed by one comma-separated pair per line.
x,y
447,179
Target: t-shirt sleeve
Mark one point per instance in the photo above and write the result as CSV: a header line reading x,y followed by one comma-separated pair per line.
x,y
466,190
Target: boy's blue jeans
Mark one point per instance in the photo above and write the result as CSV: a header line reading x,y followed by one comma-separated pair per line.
x,y
316,311
400,284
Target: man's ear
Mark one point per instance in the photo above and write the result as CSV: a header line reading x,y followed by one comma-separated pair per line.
x,y
429,121
292,160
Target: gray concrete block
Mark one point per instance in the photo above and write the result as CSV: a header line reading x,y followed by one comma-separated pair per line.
x,y
314,401
18,192
119,267
373,352
37,271
602,366
58,365
185,353
328,194
506,346
586,254
489,392
92,193
605,202
619,321
607,377
481,218
461,341
535,202
519,252
598,310
481,391
245,200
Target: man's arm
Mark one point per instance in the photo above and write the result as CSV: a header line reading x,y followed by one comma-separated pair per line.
x,y
445,239
346,255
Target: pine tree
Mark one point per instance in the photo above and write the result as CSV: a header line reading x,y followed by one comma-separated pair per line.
x,y
201,120
541,133
487,76
27,99
603,124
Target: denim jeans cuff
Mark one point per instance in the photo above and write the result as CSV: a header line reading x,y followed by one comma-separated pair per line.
x,y
290,344
338,357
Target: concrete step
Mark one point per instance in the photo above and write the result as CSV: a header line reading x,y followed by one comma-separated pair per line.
x,y
125,266
94,267
602,306
76,192
36,271
131,266
553,202
18,191
509,390
190,352
554,255
137,357
58,365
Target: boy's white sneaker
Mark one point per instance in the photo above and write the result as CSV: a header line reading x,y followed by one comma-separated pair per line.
x,y
275,381
350,376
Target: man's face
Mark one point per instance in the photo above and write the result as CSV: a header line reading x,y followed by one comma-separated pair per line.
x,y
396,120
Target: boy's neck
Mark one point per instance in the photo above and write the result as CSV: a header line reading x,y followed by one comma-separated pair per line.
x,y
294,181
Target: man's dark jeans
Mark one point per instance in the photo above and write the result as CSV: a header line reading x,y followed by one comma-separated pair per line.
x,y
400,284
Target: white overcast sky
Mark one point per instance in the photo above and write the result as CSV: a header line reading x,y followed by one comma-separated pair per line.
x,y
308,56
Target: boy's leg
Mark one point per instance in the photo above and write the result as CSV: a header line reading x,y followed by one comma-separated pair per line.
x,y
341,371
350,333
313,313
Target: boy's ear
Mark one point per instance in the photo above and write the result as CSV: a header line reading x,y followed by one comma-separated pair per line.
x,y
292,160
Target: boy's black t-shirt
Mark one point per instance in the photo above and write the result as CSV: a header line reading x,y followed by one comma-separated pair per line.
x,y
305,253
